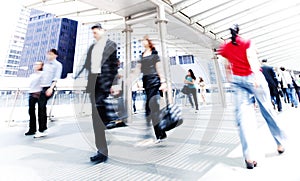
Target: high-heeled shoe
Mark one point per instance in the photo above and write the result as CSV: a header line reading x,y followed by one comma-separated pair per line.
x,y
280,150
250,165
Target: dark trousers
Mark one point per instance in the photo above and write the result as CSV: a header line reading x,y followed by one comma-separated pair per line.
x,y
33,99
298,92
100,115
152,110
42,110
274,93
193,92
134,93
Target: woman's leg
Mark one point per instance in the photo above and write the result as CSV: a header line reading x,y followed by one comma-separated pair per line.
x,y
31,111
194,93
153,97
190,99
262,95
245,116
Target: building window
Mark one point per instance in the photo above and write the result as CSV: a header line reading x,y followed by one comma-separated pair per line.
x,y
173,60
186,59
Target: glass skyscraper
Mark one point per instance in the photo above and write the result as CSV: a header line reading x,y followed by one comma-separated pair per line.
x,y
12,60
45,31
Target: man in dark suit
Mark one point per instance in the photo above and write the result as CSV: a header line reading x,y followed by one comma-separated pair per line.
x,y
102,66
273,83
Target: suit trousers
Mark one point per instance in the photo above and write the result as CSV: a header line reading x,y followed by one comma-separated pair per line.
x,y
99,114
274,93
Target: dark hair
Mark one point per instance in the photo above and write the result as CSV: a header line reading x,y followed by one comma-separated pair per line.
x,y
192,74
98,26
42,63
201,79
282,68
264,61
234,30
54,51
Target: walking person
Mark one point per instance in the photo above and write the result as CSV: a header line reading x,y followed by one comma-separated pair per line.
x,y
284,87
297,86
202,89
102,66
243,70
273,83
135,87
153,83
34,95
190,82
288,81
52,70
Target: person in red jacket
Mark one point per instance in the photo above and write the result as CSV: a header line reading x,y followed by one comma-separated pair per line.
x,y
243,71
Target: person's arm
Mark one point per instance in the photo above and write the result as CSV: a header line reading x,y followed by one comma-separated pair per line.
x,y
228,71
58,72
189,82
253,61
160,72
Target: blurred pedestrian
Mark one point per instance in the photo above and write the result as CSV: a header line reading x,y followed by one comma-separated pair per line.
x,y
102,66
297,86
153,83
288,81
243,70
273,83
34,95
52,71
190,82
202,86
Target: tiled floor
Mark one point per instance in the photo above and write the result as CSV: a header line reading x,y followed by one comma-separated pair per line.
x,y
205,147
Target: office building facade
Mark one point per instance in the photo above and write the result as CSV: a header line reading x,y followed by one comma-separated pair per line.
x,y
12,59
45,31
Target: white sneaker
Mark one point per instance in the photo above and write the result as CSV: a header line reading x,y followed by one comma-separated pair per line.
x,y
40,134
160,140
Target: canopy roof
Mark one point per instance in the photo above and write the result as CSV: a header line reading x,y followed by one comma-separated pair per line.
x,y
272,24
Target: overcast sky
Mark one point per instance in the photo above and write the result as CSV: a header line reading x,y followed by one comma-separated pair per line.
x,y
9,13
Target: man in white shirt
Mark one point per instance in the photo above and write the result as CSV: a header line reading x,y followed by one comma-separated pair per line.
x,y
288,81
51,73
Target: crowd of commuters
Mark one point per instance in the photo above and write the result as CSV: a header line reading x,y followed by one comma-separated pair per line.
x,y
250,78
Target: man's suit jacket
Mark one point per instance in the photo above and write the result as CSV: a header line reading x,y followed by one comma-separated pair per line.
x,y
109,67
270,76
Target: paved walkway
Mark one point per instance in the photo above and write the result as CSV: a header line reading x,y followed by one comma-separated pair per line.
x,y
205,147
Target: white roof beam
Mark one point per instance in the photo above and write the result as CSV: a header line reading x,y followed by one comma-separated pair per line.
x,y
183,4
263,17
239,13
196,18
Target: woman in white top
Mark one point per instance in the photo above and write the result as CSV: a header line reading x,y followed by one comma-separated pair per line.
x,y
202,89
34,94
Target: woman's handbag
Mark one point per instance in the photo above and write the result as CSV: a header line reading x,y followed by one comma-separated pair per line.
x,y
170,116
185,89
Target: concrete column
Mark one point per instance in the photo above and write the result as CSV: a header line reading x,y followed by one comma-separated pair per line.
x,y
162,29
127,67
219,81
